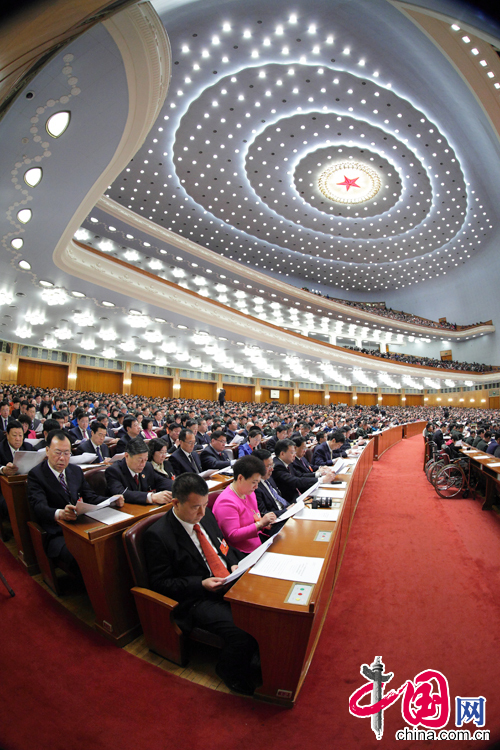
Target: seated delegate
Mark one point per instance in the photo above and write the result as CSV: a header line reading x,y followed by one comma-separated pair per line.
x,y
53,488
236,508
188,559
135,477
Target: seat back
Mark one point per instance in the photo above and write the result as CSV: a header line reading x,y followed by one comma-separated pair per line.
x,y
97,480
212,497
134,548
309,455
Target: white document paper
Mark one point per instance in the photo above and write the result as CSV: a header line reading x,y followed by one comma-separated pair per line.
x,y
494,463
250,560
310,492
83,458
117,457
336,494
32,441
108,439
227,471
26,460
288,567
319,514
208,473
109,516
290,511
82,507
237,440
212,483
339,464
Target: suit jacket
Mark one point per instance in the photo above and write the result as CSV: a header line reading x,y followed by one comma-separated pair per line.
x,y
124,440
176,568
45,494
325,457
210,459
302,467
6,453
87,447
77,433
119,479
265,501
289,484
180,463
202,439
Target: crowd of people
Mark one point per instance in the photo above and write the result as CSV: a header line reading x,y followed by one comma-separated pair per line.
x,y
411,359
162,447
398,315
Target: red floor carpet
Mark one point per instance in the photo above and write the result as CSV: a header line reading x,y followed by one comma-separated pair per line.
x,y
419,585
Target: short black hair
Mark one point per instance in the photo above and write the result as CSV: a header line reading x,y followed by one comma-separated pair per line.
x,y
262,453
299,441
155,445
96,425
217,435
50,424
188,483
337,435
15,423
282,446
59,434
184,433
136,446
247,466
129,421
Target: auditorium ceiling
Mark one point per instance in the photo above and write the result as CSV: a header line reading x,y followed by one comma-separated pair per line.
x,y
328,145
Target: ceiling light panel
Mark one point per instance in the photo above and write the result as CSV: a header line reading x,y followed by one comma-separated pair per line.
x,y
242,177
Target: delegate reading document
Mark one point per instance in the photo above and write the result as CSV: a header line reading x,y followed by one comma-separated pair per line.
x,y
250,560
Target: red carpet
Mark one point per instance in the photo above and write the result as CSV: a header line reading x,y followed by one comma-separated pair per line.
x,y
419,585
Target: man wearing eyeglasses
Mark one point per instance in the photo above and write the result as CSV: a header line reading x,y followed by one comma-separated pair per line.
x,y
184,459
213,456
53,489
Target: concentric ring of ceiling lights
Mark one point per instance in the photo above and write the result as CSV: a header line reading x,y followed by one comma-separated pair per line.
x,y
257,112
360,178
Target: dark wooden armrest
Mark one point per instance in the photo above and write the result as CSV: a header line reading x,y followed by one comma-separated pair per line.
x,y
161,632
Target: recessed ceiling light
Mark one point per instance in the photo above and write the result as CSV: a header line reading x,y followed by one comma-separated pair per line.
x,y
108,304
78,294
46,284
57,123
24,215
33,176
24,264
17,243
183,327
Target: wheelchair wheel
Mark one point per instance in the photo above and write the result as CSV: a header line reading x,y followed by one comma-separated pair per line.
x,y
450,481
434,470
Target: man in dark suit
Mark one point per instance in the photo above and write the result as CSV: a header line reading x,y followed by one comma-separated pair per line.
x,y
134,476
48,426
82,431
96,443
334,448
188,560
171,436
130,430
184,459
222,397
4,418
281,433
213,456
35,423
53,488
202,436
289,484
301,465
267,493
13,442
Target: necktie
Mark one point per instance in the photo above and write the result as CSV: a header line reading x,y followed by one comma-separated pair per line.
x,y
280,500
136,477
63,483
215,564
99,454
193,463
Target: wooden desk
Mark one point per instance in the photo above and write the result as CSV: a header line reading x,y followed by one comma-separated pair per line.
x,y
99,552
414,428
14,492
490,474
387,438
288,633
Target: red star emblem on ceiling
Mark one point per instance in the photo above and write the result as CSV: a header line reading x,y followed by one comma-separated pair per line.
x,y
349,183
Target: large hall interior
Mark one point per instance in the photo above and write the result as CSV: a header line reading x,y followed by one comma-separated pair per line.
x,y
292,202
